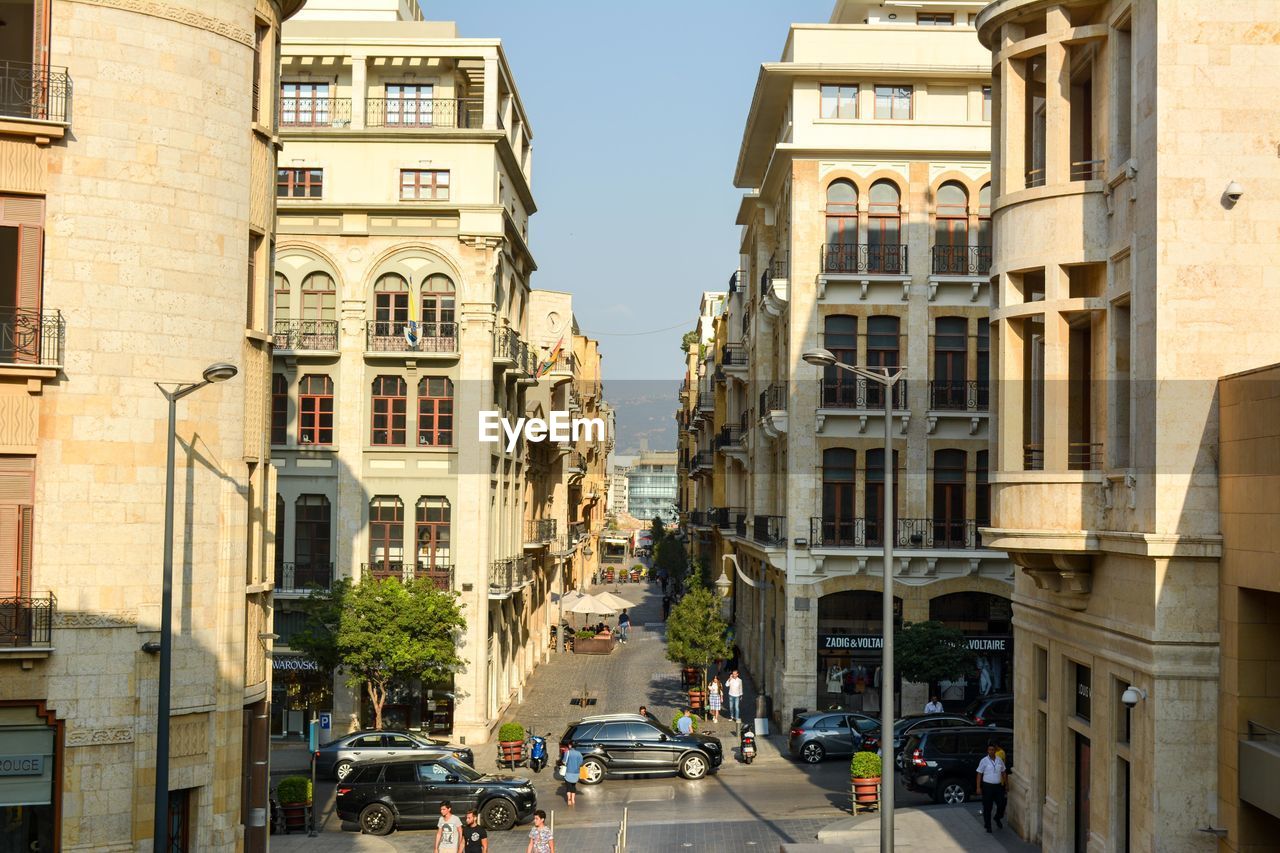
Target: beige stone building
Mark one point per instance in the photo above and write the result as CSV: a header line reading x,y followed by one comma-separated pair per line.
x,y
865,230
137,224
402,312
1135,209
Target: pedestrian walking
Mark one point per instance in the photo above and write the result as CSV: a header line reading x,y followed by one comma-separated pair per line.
x,y
448,830
540,838
624,626
992,779
733,686
684,725
666,607
714,693
933,706
475,839
572,771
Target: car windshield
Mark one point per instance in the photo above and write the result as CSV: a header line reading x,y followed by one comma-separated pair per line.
x,y
457,768
865,725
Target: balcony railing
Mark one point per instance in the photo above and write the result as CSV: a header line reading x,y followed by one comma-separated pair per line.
x,y
315,112
401,336
959,395
740,525
921,533
396,113
857,258
303,577
961,260
854,392
769,530
41,92
730,435
737,281
936,533
1033,457
702,459
1035,178
27,621
510,348
725,517
773,399
1084,456
576,462
30,337
1089,170
733,355
577,532
299,335
506,576
539,530
438,570
706,400
698,518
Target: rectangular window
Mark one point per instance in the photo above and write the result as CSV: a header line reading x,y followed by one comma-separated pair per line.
x,y
424,184
179,820
299,183
260,45
388,406
251,295
21,277
935,19
279,413
410,105
315,410
304,104
435,411
1084,690
17,499
839,101
893,102
986,103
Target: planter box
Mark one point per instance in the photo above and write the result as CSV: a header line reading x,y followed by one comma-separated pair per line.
x,y
593,646
296,816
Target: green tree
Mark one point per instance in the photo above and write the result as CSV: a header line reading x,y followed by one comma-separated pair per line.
x,y
657,532
926,652
385,632
696,631
318,638
670,555
688,341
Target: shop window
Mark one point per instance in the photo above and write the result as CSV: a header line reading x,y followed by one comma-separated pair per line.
x,y
29,736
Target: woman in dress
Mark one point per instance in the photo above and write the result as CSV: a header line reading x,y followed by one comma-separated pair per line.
x,y
714,694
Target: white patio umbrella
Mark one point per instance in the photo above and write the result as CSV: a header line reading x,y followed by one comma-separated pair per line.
x,y
571,598
618,602
592,604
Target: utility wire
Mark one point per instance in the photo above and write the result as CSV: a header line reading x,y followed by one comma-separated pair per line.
x,y
636,334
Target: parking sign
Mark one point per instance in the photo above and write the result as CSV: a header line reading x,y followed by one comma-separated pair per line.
x,y
325,720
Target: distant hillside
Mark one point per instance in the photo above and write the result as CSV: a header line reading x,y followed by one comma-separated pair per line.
x,y
645,413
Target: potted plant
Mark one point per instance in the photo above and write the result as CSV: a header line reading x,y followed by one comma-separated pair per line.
x,y
695,697
864,770
294,794
511,742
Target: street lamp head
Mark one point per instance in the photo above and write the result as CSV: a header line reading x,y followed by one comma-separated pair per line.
x,y
819,357
723,584
219,372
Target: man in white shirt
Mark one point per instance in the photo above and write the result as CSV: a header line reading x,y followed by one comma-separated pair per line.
x,y
733,687
933,706
992,779
448,830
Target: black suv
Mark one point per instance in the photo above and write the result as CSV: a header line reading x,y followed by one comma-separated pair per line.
x,y
904,727
384,793
626,744
944,762
993,710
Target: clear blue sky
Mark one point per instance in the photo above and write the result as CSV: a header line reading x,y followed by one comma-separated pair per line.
x,y
637,111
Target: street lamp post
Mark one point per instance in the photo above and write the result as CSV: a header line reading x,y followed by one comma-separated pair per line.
x,y
887,378
219,372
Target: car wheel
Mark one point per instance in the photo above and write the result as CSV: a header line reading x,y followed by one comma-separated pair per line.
x,y
498,815
694,766
952,792
592,772
812,752
342,770
377,819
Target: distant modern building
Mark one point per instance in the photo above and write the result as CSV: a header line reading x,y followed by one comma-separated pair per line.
x,y
651,487
619,493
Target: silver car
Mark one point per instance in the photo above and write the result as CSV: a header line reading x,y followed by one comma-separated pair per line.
x,y
816,735
335,758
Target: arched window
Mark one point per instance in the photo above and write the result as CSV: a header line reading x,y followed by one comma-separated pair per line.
x,y
388,407
435,411
438,330
984,230
315,410
883,351
841,252
319,312
312,555
838,522
840,335
884,250
279,408
432,536
950,356
386,536
390,305
951,231
281,310
949,524
873,496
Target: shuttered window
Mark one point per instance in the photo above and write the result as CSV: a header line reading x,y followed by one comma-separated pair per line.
x,y
17,496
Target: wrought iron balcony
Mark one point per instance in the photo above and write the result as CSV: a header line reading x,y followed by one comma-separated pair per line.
x,y
737,281
314,112
702,459
918,533
733,355
698,518
846,391
402,336
1089,170
302,335
1084,456
706,400
725,517
730,435
27,621
303,577
740,525
961,260
438,570
773,399
862,258
510,349
837,533
769,530
959,395
507,576
31,337
576,462
539,530
40,92
936,533
424,113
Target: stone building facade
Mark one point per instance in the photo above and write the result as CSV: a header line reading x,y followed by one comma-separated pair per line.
x,y
865,231
138,219
1128,276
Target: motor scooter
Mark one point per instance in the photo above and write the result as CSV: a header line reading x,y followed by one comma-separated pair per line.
x,y
747,747
538,752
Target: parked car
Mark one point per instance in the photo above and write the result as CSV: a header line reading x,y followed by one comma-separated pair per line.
x,y
335,758
904,726
944,762
626,744
993,710
817,734
382,794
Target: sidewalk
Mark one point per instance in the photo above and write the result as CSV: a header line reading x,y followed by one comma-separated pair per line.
x,y
330,842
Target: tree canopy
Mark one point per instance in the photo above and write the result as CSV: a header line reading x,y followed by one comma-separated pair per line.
x,y
696,630
930,651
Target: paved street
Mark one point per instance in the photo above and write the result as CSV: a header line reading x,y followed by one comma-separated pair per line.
x,y
773,801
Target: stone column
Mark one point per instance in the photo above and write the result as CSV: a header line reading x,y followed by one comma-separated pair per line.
x,y
490,112
359,90
1057,95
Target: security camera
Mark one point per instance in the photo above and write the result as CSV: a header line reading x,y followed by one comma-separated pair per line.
x,y
1233,192
1132,696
